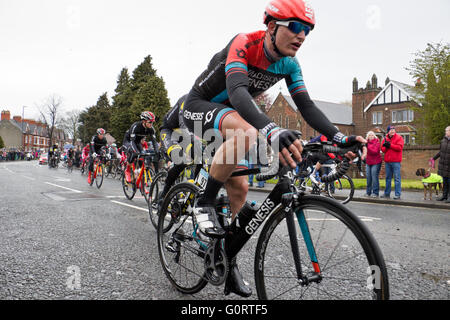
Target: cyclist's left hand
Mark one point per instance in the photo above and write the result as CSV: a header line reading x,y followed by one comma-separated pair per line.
x,y
350,155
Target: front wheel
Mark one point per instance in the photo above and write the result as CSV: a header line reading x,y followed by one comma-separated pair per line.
x,y
342,189
155,188
336,249
129,187
146,181
99,175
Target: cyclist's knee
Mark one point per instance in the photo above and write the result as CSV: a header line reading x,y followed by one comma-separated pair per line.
x,y
237,188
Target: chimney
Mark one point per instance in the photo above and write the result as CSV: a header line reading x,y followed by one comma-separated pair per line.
x,y
355,85
17,118
6,115
387,81
374,81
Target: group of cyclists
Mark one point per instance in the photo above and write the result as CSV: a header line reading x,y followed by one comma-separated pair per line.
x,y
222,101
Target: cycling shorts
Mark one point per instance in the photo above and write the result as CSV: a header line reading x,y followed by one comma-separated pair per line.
x,y
209,114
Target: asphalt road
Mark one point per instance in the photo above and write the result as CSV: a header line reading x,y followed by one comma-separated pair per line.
x,y
62,239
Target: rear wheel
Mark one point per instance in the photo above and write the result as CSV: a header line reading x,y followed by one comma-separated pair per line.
x,y
181,250
342,189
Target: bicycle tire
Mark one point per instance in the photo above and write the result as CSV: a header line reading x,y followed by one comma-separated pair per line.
x,y
340,193
155,188
186,279
274,262
99,176
129,188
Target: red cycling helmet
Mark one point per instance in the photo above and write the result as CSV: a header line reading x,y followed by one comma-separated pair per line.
x,y
100,131
290,10
147,115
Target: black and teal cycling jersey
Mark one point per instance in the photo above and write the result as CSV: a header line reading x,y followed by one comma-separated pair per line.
x,y
238,73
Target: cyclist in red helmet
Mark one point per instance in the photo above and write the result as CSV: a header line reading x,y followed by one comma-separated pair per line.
x,y
222,99
97,142
133,136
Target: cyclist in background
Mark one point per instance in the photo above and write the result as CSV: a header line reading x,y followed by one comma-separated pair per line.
x,y
97,142
133,137
70,156
53,154
85,154
172,144
222,99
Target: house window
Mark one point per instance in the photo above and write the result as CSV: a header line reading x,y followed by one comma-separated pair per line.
x,y
406,138
399,116
377,117
287,122
280,120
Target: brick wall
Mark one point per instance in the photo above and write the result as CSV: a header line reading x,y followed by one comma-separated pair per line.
x,y
413,157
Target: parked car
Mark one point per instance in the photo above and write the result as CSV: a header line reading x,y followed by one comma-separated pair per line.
x,y
43,159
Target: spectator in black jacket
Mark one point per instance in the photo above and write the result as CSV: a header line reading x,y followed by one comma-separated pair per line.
x,y
444,165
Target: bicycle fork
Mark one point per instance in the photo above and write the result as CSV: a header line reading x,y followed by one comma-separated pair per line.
x,y
287,200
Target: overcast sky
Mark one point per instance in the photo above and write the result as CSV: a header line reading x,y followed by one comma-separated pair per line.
x,y
76,49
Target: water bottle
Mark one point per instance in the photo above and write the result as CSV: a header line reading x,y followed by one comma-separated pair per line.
x,y
223,205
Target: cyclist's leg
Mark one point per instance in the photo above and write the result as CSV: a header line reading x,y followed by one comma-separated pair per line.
x,y
221,118
237,189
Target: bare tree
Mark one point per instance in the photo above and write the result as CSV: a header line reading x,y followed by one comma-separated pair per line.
x,y
49,114
70,123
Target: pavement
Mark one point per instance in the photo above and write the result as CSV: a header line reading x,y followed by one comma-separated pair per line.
x,y
411,198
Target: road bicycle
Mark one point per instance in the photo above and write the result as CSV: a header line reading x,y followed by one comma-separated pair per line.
x,y
341,189
99,169
345,261
142,174
53,161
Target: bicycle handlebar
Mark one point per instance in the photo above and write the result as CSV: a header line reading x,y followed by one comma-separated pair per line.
x,y
317,148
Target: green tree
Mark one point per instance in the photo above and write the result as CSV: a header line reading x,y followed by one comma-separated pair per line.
x,y
2,144
97,116
143,91
431,69
121,115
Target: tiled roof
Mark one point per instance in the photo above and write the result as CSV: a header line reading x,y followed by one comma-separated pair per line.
x,y
337,113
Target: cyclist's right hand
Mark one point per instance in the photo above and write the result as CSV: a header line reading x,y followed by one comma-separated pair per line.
x,y
289,146
94,155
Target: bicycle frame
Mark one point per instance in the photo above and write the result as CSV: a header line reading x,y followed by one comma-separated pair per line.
x,y
142,177
282,194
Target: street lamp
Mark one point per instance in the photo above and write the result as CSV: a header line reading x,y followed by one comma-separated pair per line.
x,y
23,140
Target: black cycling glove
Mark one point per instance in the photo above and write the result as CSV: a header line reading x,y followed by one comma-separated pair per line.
x,y
343,140
276,135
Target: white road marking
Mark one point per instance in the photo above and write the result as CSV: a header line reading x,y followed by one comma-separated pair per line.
x,y
77,191
29,178
129,205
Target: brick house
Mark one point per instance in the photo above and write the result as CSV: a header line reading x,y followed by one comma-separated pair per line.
x,y
374,108
283,112
27,135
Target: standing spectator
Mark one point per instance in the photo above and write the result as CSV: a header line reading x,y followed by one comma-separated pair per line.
x,y
373,164
444,165
392,147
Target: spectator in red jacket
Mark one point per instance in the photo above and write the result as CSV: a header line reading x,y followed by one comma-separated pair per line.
x,y
392,147
373,164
